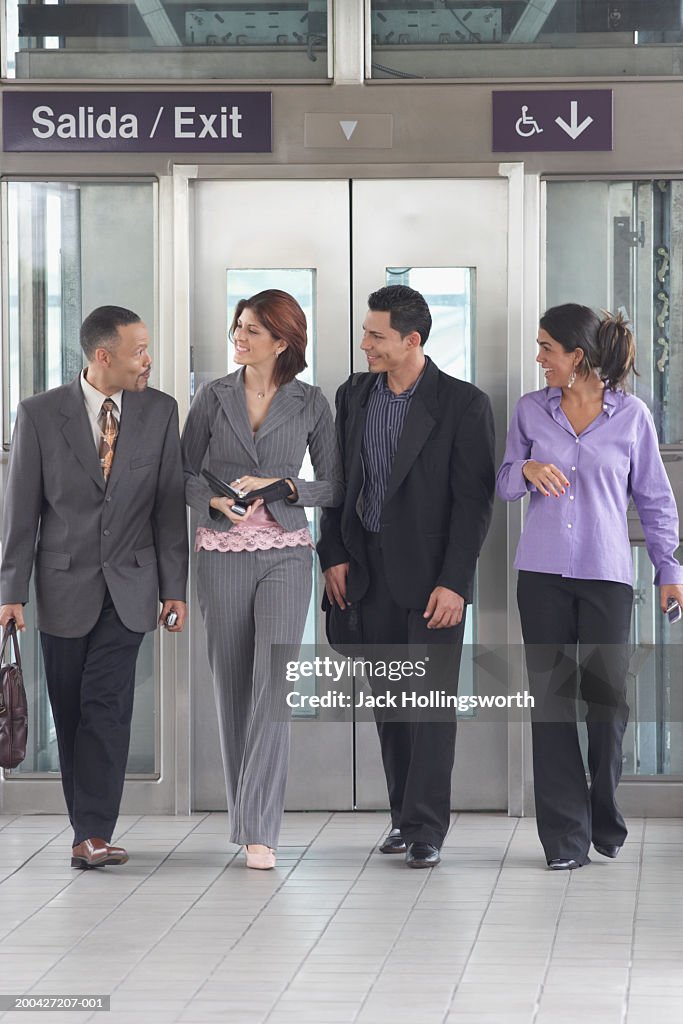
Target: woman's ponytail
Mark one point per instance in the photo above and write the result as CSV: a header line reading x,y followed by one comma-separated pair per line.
x,y
617,349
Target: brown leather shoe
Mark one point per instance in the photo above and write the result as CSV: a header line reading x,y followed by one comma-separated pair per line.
x,y
95,853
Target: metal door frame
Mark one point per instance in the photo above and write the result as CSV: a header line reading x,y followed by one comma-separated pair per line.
x,y
523,310
42,792
639,795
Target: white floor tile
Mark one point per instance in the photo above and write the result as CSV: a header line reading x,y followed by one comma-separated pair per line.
x,y
184,934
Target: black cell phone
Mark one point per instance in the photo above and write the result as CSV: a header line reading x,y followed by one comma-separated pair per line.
x,y
171,619
673,610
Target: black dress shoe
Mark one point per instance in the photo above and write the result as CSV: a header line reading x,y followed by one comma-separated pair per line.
x,y
422,855
607,851
563,864
394,842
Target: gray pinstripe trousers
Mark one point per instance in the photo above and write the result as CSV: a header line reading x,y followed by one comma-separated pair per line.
x,y
251,600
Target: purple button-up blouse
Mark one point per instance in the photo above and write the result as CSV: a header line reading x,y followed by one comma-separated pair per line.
x,y
583,534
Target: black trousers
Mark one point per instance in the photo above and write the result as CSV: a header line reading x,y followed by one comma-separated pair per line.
x,y
575,636
417,751
91,683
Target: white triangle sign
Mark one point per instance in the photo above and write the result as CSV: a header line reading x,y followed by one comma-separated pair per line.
x,y
348,127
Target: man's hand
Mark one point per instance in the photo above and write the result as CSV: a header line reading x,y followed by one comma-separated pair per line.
x,y
12,611
180,608
444,608
335,584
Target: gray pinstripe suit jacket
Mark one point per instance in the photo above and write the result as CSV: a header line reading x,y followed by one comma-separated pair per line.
x,y
218,436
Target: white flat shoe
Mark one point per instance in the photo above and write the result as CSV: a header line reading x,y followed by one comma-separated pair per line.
x,y
262,858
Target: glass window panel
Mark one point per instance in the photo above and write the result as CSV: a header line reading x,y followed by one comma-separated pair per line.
x,y
56,273
618,245
653,742
225,39
450,292
519,38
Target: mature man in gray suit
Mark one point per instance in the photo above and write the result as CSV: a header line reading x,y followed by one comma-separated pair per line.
x,y
95,475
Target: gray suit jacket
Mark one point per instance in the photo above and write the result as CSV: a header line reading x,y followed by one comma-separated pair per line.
x,y
129,535
218,436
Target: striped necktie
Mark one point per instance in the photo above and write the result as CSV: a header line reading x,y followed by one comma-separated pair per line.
x,y
109,429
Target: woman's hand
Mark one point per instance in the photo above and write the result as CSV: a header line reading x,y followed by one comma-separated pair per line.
x,y
545,477
253,483
224,505
674,590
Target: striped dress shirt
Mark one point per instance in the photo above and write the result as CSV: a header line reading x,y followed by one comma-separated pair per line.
x,y
386,416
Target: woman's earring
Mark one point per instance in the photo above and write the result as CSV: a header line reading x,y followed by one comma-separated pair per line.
x,y
572,377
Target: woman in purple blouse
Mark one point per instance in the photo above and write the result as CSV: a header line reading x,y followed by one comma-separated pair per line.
x,y
582,448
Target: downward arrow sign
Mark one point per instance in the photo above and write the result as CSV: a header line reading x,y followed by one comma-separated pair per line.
x,y
348,127
574,129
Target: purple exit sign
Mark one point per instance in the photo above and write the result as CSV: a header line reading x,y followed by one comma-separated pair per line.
x,y
552,119
136,122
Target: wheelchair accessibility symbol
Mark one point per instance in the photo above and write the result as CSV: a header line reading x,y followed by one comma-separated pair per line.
x,y
526,126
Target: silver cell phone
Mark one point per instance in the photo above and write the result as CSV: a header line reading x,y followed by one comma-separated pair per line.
x,y
673,610
171,619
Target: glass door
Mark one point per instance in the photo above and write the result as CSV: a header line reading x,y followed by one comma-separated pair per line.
x,y
431,235
248,236
297,235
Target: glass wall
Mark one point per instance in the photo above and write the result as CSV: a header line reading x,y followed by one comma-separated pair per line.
x,y
227,39
618,245
525,38
57,270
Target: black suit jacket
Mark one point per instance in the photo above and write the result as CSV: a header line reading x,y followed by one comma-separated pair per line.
x,y
438,503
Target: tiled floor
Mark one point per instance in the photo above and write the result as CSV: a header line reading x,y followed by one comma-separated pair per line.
x,y
338,933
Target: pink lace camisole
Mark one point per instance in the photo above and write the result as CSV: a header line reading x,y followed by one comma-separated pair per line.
x,y
261,532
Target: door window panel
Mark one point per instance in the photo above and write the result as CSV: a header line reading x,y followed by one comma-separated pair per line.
x,y
449,292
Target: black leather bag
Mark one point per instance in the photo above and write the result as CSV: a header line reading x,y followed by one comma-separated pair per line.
x,y
344,629
13,705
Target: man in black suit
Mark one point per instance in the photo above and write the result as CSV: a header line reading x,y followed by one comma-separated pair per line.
x,y
96,478
418,452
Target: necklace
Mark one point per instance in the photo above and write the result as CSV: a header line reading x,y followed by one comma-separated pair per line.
x,y
260,394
